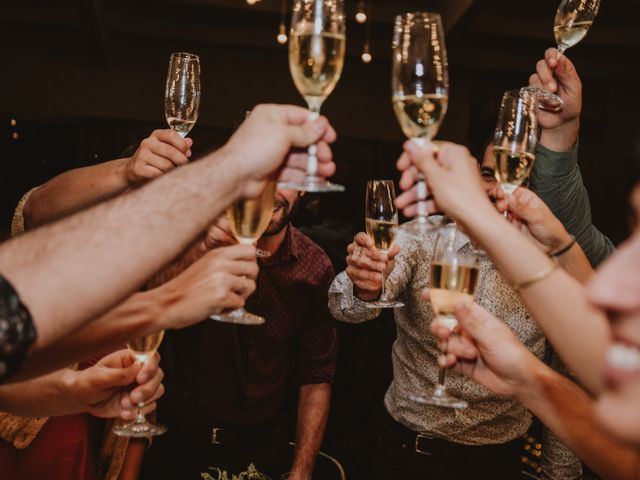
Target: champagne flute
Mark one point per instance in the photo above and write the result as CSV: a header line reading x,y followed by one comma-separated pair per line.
x,y
382,224
454,277
142,348
515,139
316,57
248,219
419,88
182,92
573,20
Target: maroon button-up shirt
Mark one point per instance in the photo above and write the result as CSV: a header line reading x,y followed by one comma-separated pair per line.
x,y
232,375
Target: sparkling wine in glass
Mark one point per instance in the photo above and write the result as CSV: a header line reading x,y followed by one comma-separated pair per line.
x,y
515,139
316,57
573,20
382,225
454,278
182,92
142,349
419,87
248,220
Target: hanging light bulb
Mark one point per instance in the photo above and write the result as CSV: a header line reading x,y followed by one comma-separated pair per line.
x,y
282,35
252,2
361,14
366,54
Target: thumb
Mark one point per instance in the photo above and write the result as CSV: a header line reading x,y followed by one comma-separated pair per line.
x,y
302,136
567,75
107,378
518,208
476,321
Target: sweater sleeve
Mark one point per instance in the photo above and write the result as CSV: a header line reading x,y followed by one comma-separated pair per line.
x,y
557,180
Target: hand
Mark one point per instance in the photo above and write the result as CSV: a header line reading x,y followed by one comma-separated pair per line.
x,y
451,175
265,140
219,234
101,389
221,280
158,154
557,74
365,264
486,351
537,218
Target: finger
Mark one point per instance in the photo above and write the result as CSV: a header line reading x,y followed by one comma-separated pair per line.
x,y
408,197
535,81
479,324
171,137
175,156
237,252
363,275
462,347
567,74
363,240
149,369
309,133
393,251
412,210
546,76
119,359
242,286
426,294
144,393
551,56
106,378
368,259
158,162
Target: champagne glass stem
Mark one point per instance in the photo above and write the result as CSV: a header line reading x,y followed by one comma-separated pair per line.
x,y
140,417
383,293
312,163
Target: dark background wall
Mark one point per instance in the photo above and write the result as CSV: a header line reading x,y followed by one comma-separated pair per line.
x,y
84,79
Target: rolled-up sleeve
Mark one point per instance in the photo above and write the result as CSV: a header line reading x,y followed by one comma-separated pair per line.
x,y
318,345
17,331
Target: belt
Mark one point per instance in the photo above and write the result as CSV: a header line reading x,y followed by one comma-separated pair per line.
x,y
425,444
213,434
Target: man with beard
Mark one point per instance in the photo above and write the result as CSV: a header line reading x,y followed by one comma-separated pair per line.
x,y
226,383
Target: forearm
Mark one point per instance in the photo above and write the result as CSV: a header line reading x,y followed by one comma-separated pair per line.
x,y
75,190
567,410
313,410
141,314
556,179
579,333
46,396
576,264
74,270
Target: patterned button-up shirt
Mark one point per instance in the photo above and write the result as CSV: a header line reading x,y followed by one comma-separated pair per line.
x,y
489,419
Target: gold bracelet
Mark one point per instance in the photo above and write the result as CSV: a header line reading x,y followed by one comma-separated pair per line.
x,y
538,276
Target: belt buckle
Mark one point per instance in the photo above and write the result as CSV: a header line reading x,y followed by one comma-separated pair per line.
x,y
417,448
214,436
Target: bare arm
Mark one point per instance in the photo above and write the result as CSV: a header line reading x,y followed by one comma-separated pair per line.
x,y
220,280
76,269
313,410
98,390
579,334
490,354
81,188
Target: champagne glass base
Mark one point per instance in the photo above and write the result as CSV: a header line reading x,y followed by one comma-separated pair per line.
x,y
384,304
440,400
139,430
262,253
312,184
239,317
544,99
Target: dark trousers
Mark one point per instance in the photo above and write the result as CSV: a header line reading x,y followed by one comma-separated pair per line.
x,y
186,451
396,458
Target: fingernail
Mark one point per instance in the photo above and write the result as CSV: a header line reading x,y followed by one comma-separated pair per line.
x,y
143,378
551,85
136,397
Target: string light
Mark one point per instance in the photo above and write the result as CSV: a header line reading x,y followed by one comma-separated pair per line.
x,y
282,33
13,122
361,14
366,51
252,2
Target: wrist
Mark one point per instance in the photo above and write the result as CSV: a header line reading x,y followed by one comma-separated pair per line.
x,y
534,384
69,386
366,295
561,138
559,241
